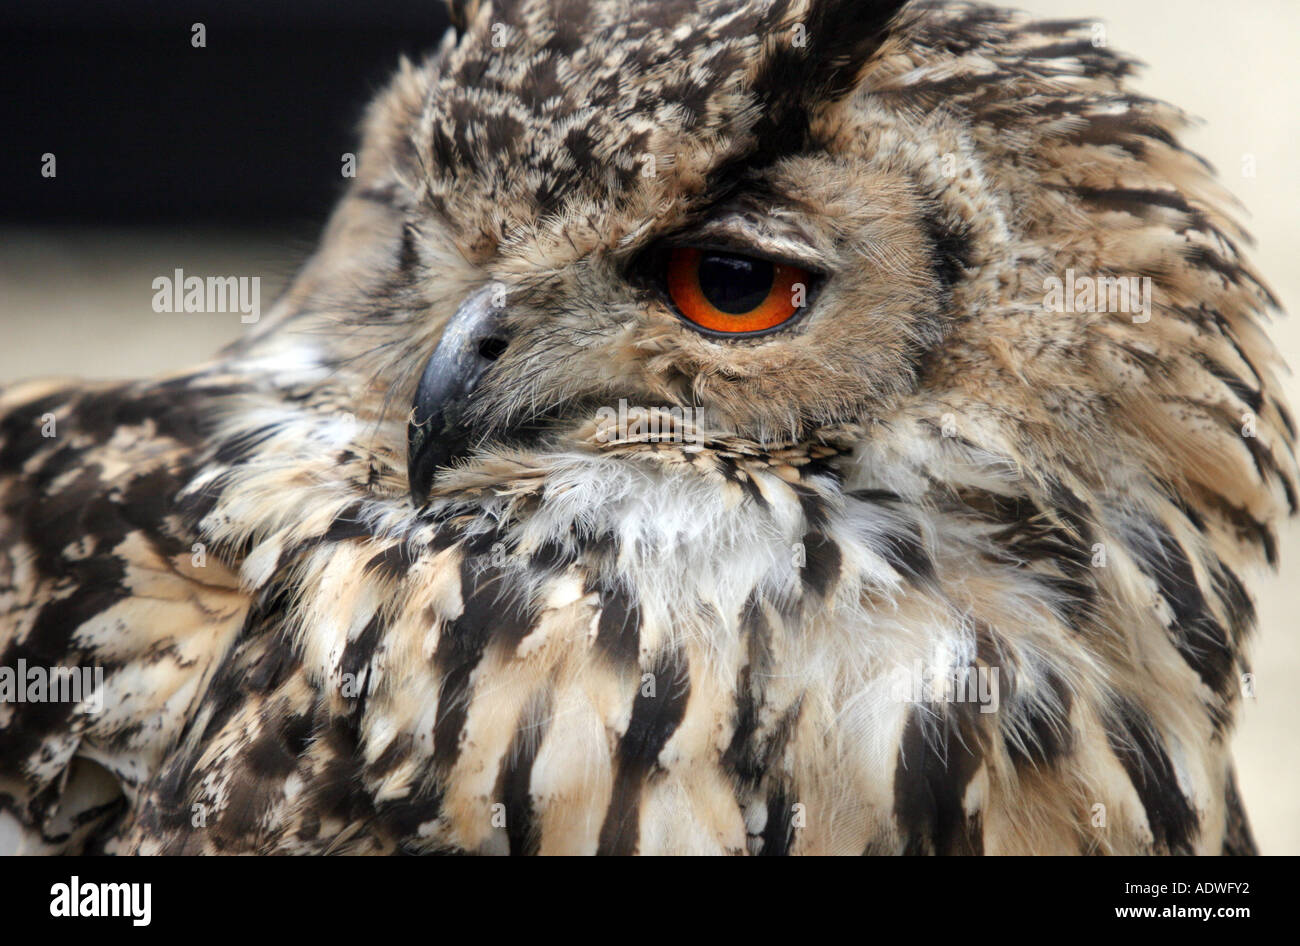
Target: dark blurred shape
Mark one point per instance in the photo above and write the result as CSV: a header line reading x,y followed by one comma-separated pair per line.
x,y
146,128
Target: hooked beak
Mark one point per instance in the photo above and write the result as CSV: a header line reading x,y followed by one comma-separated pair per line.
x,y
437,434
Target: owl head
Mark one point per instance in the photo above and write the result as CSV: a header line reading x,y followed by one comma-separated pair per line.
x,y
946,240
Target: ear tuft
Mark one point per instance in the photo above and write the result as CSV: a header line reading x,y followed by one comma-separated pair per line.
x,y
818,59
829,47
842,36
462,13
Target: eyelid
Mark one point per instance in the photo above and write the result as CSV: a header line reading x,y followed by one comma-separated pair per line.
x,y
815,267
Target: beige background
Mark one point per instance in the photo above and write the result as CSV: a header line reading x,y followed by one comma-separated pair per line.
x,y
78,302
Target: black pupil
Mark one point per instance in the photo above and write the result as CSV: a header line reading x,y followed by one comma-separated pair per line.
x,y
735,284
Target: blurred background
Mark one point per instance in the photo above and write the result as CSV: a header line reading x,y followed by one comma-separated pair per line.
x,y
224,158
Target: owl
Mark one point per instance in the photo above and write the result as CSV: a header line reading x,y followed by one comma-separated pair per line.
x,y
722,427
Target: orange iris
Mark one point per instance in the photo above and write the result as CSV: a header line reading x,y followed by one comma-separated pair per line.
x,y
734,294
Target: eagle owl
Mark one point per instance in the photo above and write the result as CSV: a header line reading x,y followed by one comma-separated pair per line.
x,y
738,426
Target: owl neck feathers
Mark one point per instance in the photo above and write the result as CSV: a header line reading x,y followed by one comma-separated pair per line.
x,y
909,554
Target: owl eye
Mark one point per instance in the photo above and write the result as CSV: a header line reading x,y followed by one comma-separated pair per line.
x,y
733,294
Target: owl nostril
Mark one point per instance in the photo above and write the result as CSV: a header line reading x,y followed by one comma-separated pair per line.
x,y
492,348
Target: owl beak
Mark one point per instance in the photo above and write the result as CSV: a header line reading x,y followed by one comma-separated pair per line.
x,y
437,434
